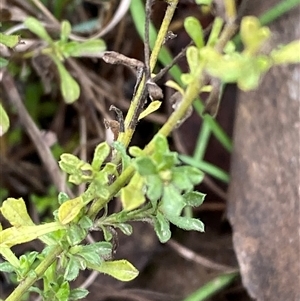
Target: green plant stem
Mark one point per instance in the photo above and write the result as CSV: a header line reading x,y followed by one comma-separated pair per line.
x,y
23,287
212,287
134,109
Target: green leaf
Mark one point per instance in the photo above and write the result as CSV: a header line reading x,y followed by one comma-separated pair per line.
x,y
154,187
204,2
194,29
72,269
145,166
8,255
162,227
9,40
252,34
132,195
62,197
78,293
119,269
70,209
69,87
193,58
6,267
15,211
172,202
14,236
3,63
136,151
193,173
288,54
4,121
180,180
63,292
101,153
69,163
37,28
194,198
89,48
186,223
75,234
153,106
65,31
125,228
122,151
85,222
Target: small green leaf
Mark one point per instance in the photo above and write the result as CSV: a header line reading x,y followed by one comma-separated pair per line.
x,y
125,228
9,40
162,228
287,54
75,234
154,187
65,31
193,58
85,222
63,292
119,269
78,293
153,106
175,86
186,223
136,151
172,202
204,2
252,34
145,166
91,48
192,173
69,163
37,28
194,29
14,236
72,269
101,153
194,198
69,87
15,211
70,209
62,197
6,267
10,256
3,63
180,180
4,121
122,151
132,195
